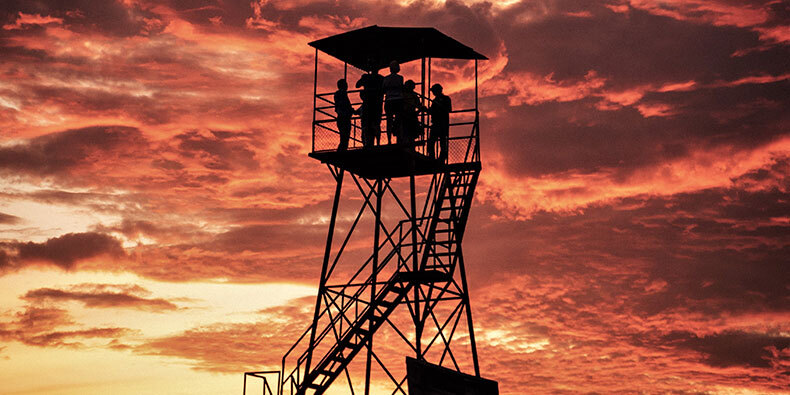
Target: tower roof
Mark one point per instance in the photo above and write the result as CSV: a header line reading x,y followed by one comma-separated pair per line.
x,y
374,47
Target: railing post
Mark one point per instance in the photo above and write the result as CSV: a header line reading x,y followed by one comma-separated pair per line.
x,y
315,93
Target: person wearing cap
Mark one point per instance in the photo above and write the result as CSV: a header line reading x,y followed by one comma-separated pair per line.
x,y
440,122
393,100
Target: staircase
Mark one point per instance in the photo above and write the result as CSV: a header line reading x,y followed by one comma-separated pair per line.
x,y
448,222
441,235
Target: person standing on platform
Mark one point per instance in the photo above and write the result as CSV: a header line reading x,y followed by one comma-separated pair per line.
x,y
393,101
440,122
370,111
344,111
411,108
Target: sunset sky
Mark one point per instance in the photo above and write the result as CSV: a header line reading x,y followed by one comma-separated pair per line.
x,y
162,228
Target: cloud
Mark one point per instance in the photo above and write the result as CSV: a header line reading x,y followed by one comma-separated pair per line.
x,y
26,20
630,217
71,149
103,296
68,338
232,348
116,18
65,251
733,348
53,327
9,219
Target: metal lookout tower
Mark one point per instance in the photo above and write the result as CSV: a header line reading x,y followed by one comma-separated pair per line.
x,y
393,284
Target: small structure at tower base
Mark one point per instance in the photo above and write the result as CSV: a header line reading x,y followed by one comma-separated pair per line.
x,y
428,379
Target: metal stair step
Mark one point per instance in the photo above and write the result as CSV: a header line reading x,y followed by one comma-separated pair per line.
x,y
348,343
324,372
386,303
398,290
362,331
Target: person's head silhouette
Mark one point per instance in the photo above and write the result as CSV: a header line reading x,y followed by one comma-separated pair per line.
x,y
436,89
394,67
342,85
409,85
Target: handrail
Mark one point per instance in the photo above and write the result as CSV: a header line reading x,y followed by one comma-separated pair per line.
x,y
328,137
294,376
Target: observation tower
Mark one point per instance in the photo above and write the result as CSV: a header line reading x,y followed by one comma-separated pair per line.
x,y
392,314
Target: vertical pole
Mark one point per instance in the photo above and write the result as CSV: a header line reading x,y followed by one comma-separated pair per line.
x,y
415,268
315,92
422,100
373,284
322,280
475,85
244,388
429,75
469,324
476,154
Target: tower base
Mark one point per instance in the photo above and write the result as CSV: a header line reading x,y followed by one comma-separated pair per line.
x,y
428,379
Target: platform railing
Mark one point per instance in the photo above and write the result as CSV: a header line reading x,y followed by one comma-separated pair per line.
x,y
462,142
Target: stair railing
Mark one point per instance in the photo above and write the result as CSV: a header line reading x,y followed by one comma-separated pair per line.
x,y
350,308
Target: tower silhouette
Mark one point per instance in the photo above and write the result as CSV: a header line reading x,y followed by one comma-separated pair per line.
x,y
399,289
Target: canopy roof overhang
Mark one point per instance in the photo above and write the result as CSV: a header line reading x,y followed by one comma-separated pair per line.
x,y
374,47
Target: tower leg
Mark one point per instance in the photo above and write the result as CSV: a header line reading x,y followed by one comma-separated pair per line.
x,y
468,312
415,267
376,235
322,281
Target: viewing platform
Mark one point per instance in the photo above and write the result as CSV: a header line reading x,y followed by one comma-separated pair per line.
x,y
389,161
369,50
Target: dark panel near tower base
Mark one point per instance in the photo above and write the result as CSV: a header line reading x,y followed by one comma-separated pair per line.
x,y
429,379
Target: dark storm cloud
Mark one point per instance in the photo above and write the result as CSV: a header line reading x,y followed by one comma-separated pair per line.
x,y
711,251
103,296
65,251
554,137
62,151
733,348
629,48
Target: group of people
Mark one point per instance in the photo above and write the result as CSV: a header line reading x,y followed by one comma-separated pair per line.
x,y
402,107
